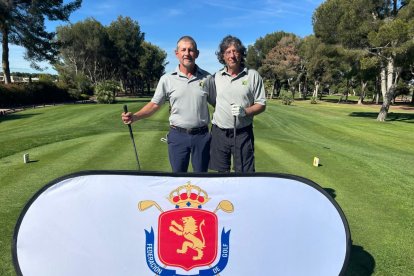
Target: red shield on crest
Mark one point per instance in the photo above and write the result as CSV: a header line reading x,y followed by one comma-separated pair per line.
x,y
187,238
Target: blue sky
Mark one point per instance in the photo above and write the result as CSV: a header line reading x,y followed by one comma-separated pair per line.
x,y
208,21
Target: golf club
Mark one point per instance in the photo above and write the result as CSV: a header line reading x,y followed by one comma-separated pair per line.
x,y
145,204
132,138
226,206
234,142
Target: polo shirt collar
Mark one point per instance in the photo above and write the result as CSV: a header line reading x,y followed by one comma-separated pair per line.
x,y
224,71
178,72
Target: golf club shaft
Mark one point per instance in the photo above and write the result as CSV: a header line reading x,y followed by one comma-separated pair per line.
x,y
133,140
234,142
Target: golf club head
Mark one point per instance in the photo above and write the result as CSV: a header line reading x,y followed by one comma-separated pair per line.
x,y
226,206
145,204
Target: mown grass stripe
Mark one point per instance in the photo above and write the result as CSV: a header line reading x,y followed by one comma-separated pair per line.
x,y
365,165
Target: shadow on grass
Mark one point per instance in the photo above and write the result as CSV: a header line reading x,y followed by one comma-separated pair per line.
x,y
361,263
331,192
15,116
339,102
401,117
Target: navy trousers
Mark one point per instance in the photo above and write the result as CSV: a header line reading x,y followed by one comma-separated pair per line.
x,y
182,146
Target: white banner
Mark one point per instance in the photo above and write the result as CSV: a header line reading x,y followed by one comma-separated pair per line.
x,y
127,223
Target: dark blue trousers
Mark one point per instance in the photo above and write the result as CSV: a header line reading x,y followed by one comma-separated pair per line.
x,y
182,146
222,148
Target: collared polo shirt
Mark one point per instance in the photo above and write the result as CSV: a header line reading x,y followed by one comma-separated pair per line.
x,y
188,97
245,89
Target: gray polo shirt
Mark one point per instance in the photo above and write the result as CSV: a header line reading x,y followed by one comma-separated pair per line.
x,y
188,97
245,89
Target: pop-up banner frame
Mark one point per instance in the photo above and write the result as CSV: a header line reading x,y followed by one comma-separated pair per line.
x,y
151,223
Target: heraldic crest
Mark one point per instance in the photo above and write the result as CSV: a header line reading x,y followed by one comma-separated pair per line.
x,y
187,235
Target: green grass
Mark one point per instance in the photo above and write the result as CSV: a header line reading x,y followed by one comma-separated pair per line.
x,y
365,165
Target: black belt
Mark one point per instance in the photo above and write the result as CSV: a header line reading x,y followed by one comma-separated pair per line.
x,y
238,130
192,131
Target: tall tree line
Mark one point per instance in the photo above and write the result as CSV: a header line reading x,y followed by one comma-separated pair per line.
x,y
380,33
85,51
91,51
22,23
356,44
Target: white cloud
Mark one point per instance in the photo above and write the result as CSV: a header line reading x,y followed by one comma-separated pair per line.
x,y
99,9
253,12
174,12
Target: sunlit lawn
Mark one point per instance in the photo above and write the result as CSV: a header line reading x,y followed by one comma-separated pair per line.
x,y
366,165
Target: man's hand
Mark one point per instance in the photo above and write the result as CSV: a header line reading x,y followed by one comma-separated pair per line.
x,y
238,110
149,109
127,118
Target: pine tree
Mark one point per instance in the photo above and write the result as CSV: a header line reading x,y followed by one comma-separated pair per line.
x,y
22,22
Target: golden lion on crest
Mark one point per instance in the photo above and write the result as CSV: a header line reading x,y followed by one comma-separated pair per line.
x,y
188,229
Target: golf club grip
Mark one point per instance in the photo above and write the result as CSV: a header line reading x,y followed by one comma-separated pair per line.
x,y
129,125
132,139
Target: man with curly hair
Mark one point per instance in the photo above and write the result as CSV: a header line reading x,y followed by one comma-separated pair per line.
x,y
240,96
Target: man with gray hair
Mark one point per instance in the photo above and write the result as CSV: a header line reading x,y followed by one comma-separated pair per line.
x,y
188,89
240,96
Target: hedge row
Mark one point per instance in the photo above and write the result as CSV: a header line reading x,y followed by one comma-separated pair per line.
x,y
15,95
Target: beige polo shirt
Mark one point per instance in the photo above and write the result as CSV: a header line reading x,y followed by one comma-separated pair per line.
x,y
245,89
189,97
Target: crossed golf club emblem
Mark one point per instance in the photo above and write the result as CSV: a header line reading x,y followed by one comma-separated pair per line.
x,y
223,205
189,222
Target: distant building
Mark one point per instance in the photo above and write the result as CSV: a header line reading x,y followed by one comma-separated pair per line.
x,y
15,79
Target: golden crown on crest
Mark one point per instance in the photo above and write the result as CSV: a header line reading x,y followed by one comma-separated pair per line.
x,y
188,196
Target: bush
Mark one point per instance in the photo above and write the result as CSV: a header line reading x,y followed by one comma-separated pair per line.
x,y
74,93
286,97
83,84
105,92
314,100
46,78
15,95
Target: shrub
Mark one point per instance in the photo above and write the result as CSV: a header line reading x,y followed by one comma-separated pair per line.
x,y
83,84
105,92
313,100
286,97
74,93
46,78
14,95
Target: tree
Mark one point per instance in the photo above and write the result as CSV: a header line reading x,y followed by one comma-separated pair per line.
x,y
85,49
152,63
406,13
23,23
283,61
375,26
92,53
127,37
346,22
368,71
257,53
324,63
312,51
390,41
